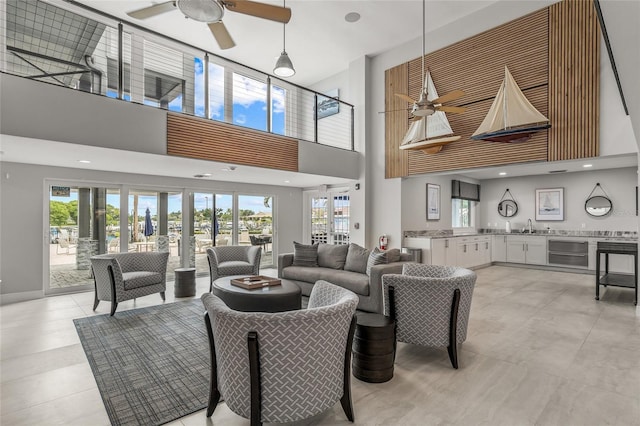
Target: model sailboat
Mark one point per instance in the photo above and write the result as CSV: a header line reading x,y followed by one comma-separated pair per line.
x,y
432,132
511,117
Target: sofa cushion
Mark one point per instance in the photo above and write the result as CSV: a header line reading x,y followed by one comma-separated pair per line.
x,y
393,255
376,257
305,255
357,258
332,255
139,279
356,282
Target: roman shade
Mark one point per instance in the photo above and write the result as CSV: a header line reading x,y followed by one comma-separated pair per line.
x,y
465,190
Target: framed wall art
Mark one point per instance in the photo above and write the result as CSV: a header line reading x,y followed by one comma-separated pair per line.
x,y
433,201
549,204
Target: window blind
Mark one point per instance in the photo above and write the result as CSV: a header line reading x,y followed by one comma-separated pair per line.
x,y
465,190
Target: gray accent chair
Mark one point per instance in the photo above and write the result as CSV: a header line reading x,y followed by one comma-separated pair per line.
x,y
430,305
124,276
233,260
285,366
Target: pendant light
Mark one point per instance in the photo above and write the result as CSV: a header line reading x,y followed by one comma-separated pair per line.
x,y
284,67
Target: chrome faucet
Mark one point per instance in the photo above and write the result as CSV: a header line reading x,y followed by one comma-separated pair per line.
x,y
529,227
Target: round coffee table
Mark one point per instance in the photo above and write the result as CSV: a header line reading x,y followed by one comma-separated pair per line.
x,y
284,297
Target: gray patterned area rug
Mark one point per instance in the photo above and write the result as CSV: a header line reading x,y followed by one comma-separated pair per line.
x,y
151,364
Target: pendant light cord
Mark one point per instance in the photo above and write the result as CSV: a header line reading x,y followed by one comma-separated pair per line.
x,y
423,31
284,30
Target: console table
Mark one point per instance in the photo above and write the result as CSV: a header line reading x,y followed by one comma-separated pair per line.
x,y
616,280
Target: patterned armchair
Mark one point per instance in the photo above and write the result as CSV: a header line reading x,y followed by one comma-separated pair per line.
x,y
285,366
125,276
430,305
233,260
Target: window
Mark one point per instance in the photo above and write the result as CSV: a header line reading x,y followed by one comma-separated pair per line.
x,y
249,102
461,213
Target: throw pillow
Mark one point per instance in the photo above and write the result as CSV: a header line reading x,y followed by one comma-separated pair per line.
x,y
305,255
356,259
377,257
393,255
332,255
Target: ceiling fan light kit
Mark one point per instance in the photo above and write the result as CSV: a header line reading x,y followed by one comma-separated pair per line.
x,y
212,11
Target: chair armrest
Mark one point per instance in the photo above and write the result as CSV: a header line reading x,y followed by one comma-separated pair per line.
x,y
284,260
375,281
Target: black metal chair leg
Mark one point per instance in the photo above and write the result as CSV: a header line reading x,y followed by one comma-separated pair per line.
x,y
254,375
345,401
114,305
95,289
453,329
162,295
214,393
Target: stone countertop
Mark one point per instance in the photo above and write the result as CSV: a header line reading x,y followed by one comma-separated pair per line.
x,y
605,235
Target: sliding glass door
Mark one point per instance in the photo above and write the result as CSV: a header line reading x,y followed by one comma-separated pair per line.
x,y
83,221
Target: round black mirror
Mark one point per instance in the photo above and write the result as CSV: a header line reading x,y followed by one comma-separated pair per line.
x,y
507,208
598,206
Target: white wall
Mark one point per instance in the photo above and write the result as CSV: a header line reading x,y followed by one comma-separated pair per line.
x,y
23,196
619,184
414,202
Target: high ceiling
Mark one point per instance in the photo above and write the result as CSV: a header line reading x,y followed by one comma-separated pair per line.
x,y
319,40
321,44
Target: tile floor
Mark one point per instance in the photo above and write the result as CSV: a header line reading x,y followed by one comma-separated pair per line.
x,y
540,350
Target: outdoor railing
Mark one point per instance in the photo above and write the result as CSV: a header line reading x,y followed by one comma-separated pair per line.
x,y
85,49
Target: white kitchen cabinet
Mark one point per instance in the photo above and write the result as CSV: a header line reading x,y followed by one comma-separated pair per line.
x,y
527,249
473,251
443,251
499,248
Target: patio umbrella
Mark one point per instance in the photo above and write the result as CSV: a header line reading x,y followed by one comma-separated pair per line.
x,y
148,225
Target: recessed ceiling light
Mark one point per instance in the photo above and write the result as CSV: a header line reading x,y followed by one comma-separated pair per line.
x,y
587,165
502,173
352,17
286,181
84,161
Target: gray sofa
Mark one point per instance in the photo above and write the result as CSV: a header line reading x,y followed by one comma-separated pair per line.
x,y
331,268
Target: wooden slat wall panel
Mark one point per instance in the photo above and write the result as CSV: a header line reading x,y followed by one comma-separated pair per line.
x,y
574,82
476,65
211,140
396,160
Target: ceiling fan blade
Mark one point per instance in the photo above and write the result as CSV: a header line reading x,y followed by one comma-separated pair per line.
x,y
405,97
453,109
221,35
156,9
448,97
260,10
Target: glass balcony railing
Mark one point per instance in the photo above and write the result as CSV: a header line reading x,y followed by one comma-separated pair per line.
x,y
97,53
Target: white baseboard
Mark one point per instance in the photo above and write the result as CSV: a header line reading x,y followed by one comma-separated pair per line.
x,y
22,296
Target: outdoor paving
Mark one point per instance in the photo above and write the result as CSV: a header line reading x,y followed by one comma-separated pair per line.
x,y
63,272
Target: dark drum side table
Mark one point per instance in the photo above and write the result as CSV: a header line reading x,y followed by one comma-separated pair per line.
x,y
185,284
374,348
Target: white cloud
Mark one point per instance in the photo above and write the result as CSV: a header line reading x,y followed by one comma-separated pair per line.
x,y
247,91
241,119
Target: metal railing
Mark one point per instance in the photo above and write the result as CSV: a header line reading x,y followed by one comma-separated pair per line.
x,y
100,54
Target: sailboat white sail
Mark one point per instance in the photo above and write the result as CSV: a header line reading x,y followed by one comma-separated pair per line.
x,y
428,133
511,117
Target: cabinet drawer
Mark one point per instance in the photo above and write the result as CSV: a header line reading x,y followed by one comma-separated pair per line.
x,y
577,247
569,259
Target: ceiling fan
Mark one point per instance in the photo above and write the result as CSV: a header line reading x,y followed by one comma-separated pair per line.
x,y
424,107
212,11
